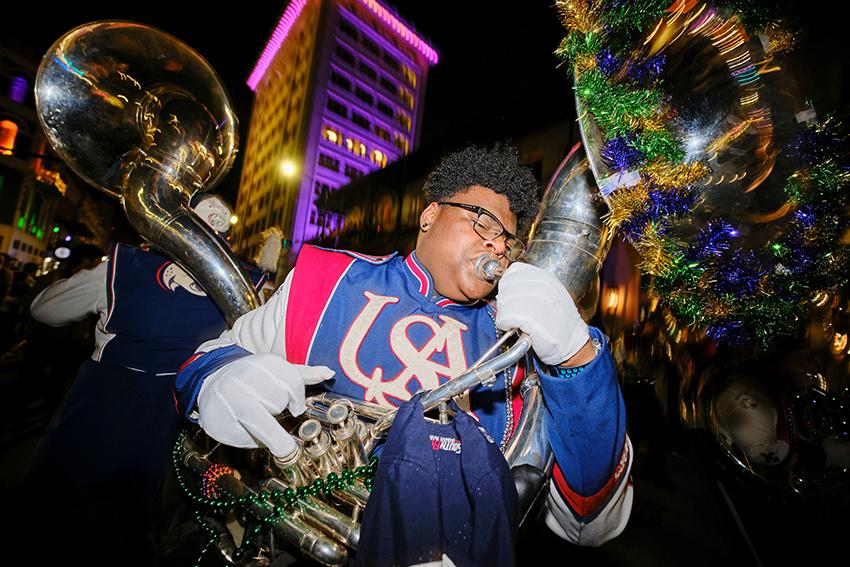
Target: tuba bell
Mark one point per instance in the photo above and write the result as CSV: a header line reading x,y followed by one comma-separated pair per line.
x,y
144,118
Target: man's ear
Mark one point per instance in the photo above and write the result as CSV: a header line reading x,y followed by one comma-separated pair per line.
x,y
426,219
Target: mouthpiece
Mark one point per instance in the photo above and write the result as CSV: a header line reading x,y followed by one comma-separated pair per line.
x,y
488,268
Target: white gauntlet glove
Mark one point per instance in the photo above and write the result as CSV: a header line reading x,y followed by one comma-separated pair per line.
x,y
215,213
534,301
238,402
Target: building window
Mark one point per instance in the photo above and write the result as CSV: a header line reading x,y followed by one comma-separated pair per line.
x,y
408,75
348,29
332,135
8,133
360,120
345,55
392,62
364,96
388,85
352,172
368,71
319,187
371,46
16,244
385,109
328,162
381,133
378,157
340,81
401,143
403,120
406,96
356,147
337,107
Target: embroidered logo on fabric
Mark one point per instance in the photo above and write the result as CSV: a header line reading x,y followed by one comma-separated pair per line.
x,y
445,444
171,276
417,364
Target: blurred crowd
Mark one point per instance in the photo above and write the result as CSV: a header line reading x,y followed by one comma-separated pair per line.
x,y
38,362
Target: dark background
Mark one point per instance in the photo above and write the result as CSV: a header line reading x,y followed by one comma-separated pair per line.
x,y
497,71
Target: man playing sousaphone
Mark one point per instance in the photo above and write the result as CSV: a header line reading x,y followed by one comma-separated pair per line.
x,y
384,328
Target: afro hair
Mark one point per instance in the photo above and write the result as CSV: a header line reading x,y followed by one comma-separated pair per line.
x,y
496,168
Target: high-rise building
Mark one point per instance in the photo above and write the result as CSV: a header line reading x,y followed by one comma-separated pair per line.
x,y
339,92
382,212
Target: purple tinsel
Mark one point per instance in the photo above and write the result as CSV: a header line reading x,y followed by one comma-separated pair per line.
x,y
646,70
661,207
817,146
619,153
712,240
643,71
665,205
739,273
805,216
633,227
804,220
728,332
607,62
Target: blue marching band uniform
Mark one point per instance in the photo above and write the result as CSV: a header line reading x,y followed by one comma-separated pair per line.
x,y
381,326
118,421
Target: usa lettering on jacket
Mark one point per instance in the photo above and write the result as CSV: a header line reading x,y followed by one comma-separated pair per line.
x,y
380,325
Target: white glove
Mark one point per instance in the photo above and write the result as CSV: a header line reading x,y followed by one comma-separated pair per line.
x,y
534,301
238,402
215,213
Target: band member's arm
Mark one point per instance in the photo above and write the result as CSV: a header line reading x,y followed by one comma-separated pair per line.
x,y
258,331
242,381
590,498
302,297
71,299
590,494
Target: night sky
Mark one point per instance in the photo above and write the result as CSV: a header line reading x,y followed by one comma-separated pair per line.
x,y
492,61
496,65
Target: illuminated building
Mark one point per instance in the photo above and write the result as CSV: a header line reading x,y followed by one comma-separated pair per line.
x,y
339,93
382,211
41,206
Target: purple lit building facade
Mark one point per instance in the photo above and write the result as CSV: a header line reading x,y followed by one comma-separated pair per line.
x,y
339,92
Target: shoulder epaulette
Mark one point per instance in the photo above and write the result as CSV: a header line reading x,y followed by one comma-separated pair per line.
x,y
376,260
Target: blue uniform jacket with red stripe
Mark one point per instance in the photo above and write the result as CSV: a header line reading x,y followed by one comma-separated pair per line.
x,y
381,326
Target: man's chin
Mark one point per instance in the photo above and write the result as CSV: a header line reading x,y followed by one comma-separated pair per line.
x,y
477,291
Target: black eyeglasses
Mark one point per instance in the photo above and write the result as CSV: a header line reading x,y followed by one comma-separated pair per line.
x,y
488,227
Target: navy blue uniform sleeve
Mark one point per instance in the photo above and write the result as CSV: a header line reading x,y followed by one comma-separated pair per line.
x,y
587,430
190,378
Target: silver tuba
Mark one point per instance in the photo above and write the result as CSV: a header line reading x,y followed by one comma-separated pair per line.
x,y
141,116
138,114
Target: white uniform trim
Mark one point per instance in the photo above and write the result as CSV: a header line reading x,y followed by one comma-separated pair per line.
x,y
261,330
606,525
73,299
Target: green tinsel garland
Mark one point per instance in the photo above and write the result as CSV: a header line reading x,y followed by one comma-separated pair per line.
x,y
691,289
